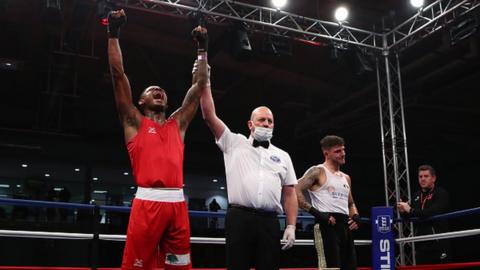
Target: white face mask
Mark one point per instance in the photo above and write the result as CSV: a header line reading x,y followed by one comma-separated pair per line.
x,y
262,134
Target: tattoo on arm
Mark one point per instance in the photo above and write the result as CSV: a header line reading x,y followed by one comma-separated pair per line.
x,y
302,203
192,96
189,106
309,179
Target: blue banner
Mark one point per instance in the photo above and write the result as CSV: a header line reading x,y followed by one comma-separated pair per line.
x,y
383,243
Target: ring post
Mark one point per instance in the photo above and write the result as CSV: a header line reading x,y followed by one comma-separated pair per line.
x,y
383,243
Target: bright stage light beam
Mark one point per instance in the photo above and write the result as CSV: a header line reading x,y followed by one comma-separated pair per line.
x,y
279,3
341,14
417,3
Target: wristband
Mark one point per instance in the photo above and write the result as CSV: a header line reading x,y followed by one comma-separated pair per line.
x,y
202,56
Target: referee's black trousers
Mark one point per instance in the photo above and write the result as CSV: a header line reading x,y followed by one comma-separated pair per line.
x,y
252,239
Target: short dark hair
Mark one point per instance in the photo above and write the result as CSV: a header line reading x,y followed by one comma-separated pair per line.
x,y
330,141
427,168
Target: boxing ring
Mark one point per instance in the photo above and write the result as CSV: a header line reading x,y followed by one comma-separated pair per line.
x,y
95,236
402,36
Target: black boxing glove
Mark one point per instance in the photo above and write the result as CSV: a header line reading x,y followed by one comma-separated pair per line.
x,y
201,39
114,24
321,216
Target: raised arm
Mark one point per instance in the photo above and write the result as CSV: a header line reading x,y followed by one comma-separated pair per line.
x,y
129,115
186,112
215,124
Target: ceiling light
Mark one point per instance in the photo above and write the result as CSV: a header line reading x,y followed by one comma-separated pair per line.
x,y
417,3
4,186
215,180
24,165
47,175
222,187
125,173
95,178
279,3
99,191
77,169
341,14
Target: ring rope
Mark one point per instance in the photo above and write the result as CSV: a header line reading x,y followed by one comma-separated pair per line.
x,y
208,240
439,236
122,237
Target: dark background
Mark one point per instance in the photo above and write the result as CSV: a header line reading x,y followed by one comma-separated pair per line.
x,y
57,107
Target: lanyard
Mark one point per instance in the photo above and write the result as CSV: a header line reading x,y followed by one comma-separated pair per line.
x,y
427,197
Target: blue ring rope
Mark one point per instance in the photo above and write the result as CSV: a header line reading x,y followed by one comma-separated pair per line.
x,y
126,209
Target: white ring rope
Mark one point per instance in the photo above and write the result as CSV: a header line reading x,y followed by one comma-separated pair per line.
x,y
208,240
439,236
46,235
121,237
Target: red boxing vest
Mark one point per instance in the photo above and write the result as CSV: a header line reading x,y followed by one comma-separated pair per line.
x,y
156,154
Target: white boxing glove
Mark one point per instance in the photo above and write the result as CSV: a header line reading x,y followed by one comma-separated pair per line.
x,y
289,237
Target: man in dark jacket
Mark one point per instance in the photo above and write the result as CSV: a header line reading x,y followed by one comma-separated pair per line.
x,y
429,201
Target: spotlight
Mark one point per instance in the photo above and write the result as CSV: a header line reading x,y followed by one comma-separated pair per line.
x,y
278,46
338,52
240,43
341,13
279,3
463,29
417,3
360,62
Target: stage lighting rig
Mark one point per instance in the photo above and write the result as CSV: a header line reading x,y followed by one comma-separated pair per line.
x,y
278,4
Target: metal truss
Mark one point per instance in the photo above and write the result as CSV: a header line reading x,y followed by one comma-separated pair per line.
x,y
276,22
263,19
394,145
427,21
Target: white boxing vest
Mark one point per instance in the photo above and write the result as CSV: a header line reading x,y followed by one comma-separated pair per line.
x,y
332,197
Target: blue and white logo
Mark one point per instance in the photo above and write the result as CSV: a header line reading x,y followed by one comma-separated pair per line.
x,y
275,159
384,224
